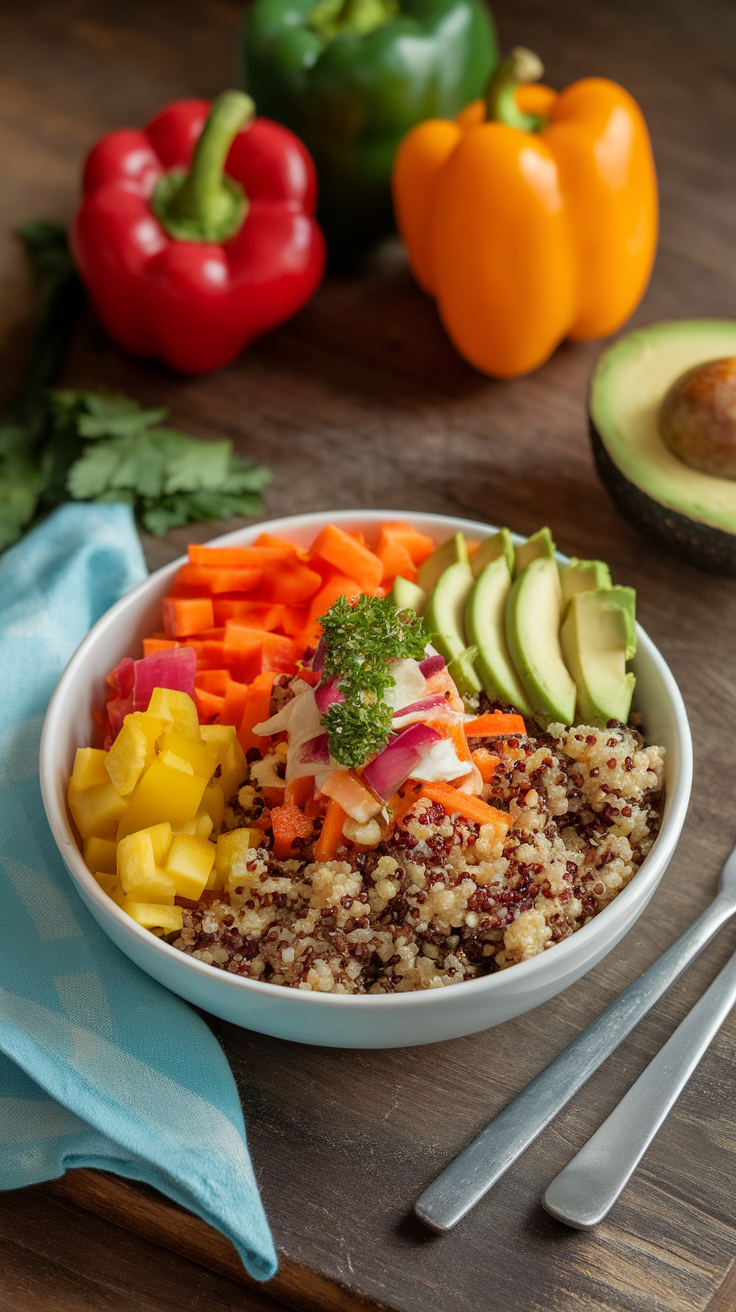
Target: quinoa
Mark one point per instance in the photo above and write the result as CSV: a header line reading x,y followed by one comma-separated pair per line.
x,y
439,899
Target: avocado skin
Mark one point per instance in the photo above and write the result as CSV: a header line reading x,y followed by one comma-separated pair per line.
x,y
703,545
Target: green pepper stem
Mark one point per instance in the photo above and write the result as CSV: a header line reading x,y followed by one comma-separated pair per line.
x,y
204,204
332,18
520,67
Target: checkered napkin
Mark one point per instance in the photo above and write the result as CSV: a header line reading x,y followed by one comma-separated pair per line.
x,y
99,1065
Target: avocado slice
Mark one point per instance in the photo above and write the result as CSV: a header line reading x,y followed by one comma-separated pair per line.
x,y
444,618
540,543
533,613
687,510
407,596
499,544
583,576
598,637
463,673
455,549
485,626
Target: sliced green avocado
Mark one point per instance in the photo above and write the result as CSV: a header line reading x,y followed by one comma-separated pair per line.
x,y
533,613
407,596
444,618
485,626
689,511
583,576
463,673
598,637
453,550
540,543
499,544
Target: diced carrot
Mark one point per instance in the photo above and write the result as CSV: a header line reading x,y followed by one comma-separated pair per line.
x,y
150,645
358,535
331,836
290,583
288,824
395,560
485,762
339,549
240,639
279,653
185,616
255,557
203,579
256,709
494,725
404,799
418,546
299,791
456,802
281,545
234,704
215,681
208,704
293,619
274,796
338,586
259,614
210,653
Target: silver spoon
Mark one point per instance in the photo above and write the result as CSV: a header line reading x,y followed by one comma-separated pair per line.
x,y
585,1191
485,1159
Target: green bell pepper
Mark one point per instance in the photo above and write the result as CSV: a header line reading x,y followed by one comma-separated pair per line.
x,y
351,77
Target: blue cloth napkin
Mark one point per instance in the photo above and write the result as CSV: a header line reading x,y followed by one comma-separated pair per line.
x,y
99,1065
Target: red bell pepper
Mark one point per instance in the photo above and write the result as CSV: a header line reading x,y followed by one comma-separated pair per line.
x,y
196,234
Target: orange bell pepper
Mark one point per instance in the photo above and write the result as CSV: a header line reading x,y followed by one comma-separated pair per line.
x,y
532,218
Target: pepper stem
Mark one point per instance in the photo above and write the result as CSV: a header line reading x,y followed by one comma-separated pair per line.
x,y
520,67
204,204
332,18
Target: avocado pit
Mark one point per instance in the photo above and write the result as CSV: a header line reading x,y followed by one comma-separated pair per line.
x,y
697,418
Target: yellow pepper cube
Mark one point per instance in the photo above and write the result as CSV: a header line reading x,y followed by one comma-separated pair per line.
x,y
161,836
164,793
202,758
97,811
176,762
190,861
230,757
177,707
152,725
89,770
136,862
231,849
213,802
106,881
160,888
100,855
128,757
152,916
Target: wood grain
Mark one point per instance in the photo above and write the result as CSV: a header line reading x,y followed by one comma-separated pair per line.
x,y
360,401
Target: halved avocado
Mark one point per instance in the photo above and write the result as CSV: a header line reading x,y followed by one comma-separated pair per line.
x,y
689,511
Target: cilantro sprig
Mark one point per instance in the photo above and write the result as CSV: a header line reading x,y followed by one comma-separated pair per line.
x,y
58,446
360,641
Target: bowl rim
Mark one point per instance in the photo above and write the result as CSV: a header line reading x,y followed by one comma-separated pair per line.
x,y
648,874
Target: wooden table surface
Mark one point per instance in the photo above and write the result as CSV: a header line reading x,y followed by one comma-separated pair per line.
x,y
361,401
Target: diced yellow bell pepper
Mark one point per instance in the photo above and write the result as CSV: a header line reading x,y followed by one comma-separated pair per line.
x,y
231,847
138,873
152,726
202,758
189,862
177,707
112,886
100,855
230,757
161,836
128,756
89,770
152,916
176,762
97,811
213,802
164,793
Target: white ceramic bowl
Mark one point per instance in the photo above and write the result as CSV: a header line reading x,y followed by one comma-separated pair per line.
x,y
381,1021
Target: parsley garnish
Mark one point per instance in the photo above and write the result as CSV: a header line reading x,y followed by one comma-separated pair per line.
x,y
360,640
58,446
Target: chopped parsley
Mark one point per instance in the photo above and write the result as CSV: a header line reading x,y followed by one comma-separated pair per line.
x,y
360,641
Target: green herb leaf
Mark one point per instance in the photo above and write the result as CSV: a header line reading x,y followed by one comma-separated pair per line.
x,y
360,642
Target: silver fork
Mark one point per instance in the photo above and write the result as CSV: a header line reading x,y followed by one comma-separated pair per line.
x,y
485,1159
